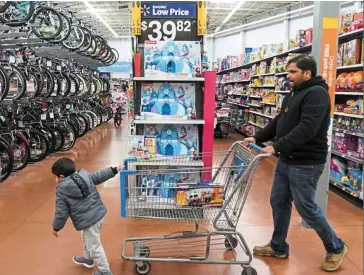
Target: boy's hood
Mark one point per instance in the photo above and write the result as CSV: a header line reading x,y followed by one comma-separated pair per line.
x,y
69,188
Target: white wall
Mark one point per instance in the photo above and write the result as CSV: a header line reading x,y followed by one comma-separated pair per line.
x,y
123,46
272,34
227,45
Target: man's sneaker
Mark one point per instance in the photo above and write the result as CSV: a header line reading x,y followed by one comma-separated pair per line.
x,y
334,261
102,273
89,263
267,251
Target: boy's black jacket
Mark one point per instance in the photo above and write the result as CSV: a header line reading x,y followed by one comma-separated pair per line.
x,y
301,126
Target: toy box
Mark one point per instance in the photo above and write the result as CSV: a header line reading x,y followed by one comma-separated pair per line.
x,y
174,140
168,101
142,147
200,197
340,55
352,52
172,58
340,142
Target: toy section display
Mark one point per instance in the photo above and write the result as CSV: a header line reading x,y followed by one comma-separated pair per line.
x,y
172,58
351,21
168,101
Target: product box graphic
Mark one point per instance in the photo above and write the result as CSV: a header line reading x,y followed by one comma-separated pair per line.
x,y
174,140
142,147
172,58
168,101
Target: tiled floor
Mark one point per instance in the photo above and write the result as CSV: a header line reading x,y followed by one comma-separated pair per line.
x,y
27,245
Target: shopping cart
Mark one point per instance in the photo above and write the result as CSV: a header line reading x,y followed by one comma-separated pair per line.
x,y
206,189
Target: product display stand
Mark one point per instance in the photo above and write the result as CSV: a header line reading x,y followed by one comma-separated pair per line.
x,y
173,102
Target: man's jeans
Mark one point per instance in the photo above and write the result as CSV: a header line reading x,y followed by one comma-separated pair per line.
x,y
298,183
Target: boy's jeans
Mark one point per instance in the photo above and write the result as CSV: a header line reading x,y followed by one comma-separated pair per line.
x,y
298,183
92,246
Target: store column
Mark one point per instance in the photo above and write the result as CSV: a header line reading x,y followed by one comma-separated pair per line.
x,y
324,50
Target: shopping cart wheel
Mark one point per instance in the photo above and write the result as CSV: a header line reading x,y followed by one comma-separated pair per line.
x,y
144,251
231,242
249,271
144,269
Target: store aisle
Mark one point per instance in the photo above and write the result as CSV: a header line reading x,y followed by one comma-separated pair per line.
x,y
27,245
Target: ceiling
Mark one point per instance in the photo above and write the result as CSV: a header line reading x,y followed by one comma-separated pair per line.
x,y
118,13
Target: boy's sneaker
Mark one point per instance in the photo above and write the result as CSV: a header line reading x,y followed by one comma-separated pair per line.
x,y
102,273
334,261
268,251
89,263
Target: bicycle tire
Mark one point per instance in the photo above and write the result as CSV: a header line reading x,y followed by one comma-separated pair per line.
x,y
35,156
15,71
18,23
35,30
5,148
4,78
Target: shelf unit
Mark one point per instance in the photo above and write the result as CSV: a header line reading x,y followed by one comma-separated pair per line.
x,y
343,38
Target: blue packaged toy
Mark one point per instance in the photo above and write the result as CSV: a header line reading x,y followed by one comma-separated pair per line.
x,y
172,58
168,101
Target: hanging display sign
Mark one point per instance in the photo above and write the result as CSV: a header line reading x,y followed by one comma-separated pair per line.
x,y
120,66
201,18
169,21
136,18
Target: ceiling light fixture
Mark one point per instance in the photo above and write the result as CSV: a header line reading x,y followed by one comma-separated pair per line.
x,y
93,10
227,18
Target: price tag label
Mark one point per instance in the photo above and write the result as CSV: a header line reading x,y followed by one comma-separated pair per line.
x,y
59,68
169,21
20,123
12,59
51,115
43,116
30,86
68,106
2,118
49,63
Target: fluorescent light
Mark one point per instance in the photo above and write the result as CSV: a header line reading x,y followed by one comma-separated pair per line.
x,y
233,11
238,6
92,10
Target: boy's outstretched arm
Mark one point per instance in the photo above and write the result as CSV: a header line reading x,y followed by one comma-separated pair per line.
x,y
104,174
61,214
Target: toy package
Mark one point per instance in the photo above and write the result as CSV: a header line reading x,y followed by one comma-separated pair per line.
x,y
352,52
200,197
340,55
174,140
141,147
172,58
168,101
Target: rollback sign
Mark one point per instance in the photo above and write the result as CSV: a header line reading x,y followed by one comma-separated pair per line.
x,y
169,21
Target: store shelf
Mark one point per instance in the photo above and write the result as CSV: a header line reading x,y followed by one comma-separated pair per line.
x,y
347,132
301,49
255,124
260,114
169,121
171,162
357,66
169,79
254,96
271,104
348,115
281,74
350,93
241,105
235,81
255,105
346,189
263,86
350,36
282,92
345,156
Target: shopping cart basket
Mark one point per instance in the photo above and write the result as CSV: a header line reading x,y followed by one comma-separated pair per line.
x,y
206,189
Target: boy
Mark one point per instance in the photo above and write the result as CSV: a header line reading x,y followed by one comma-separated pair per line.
x,y
78,198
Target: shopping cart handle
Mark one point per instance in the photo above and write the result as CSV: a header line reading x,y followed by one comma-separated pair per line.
x,y
256,147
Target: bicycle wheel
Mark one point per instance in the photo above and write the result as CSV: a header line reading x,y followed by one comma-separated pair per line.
x,y
69,137
39,147
17,82
6,160
51,23
4,83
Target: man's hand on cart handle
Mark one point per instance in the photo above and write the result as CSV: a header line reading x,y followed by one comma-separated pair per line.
x,y
269,150
248,140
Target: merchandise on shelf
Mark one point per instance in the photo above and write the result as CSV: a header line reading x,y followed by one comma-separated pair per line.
x,y
348,123
351,21
269,96
351,52
348,173
282,83
354,107
304,37
350,81
172,58
142,147
168,101
174,140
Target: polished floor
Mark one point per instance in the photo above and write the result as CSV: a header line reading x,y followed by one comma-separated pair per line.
x,y
27,245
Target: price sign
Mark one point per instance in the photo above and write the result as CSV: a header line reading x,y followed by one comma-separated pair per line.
x,y
166,29
169,21
43,116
